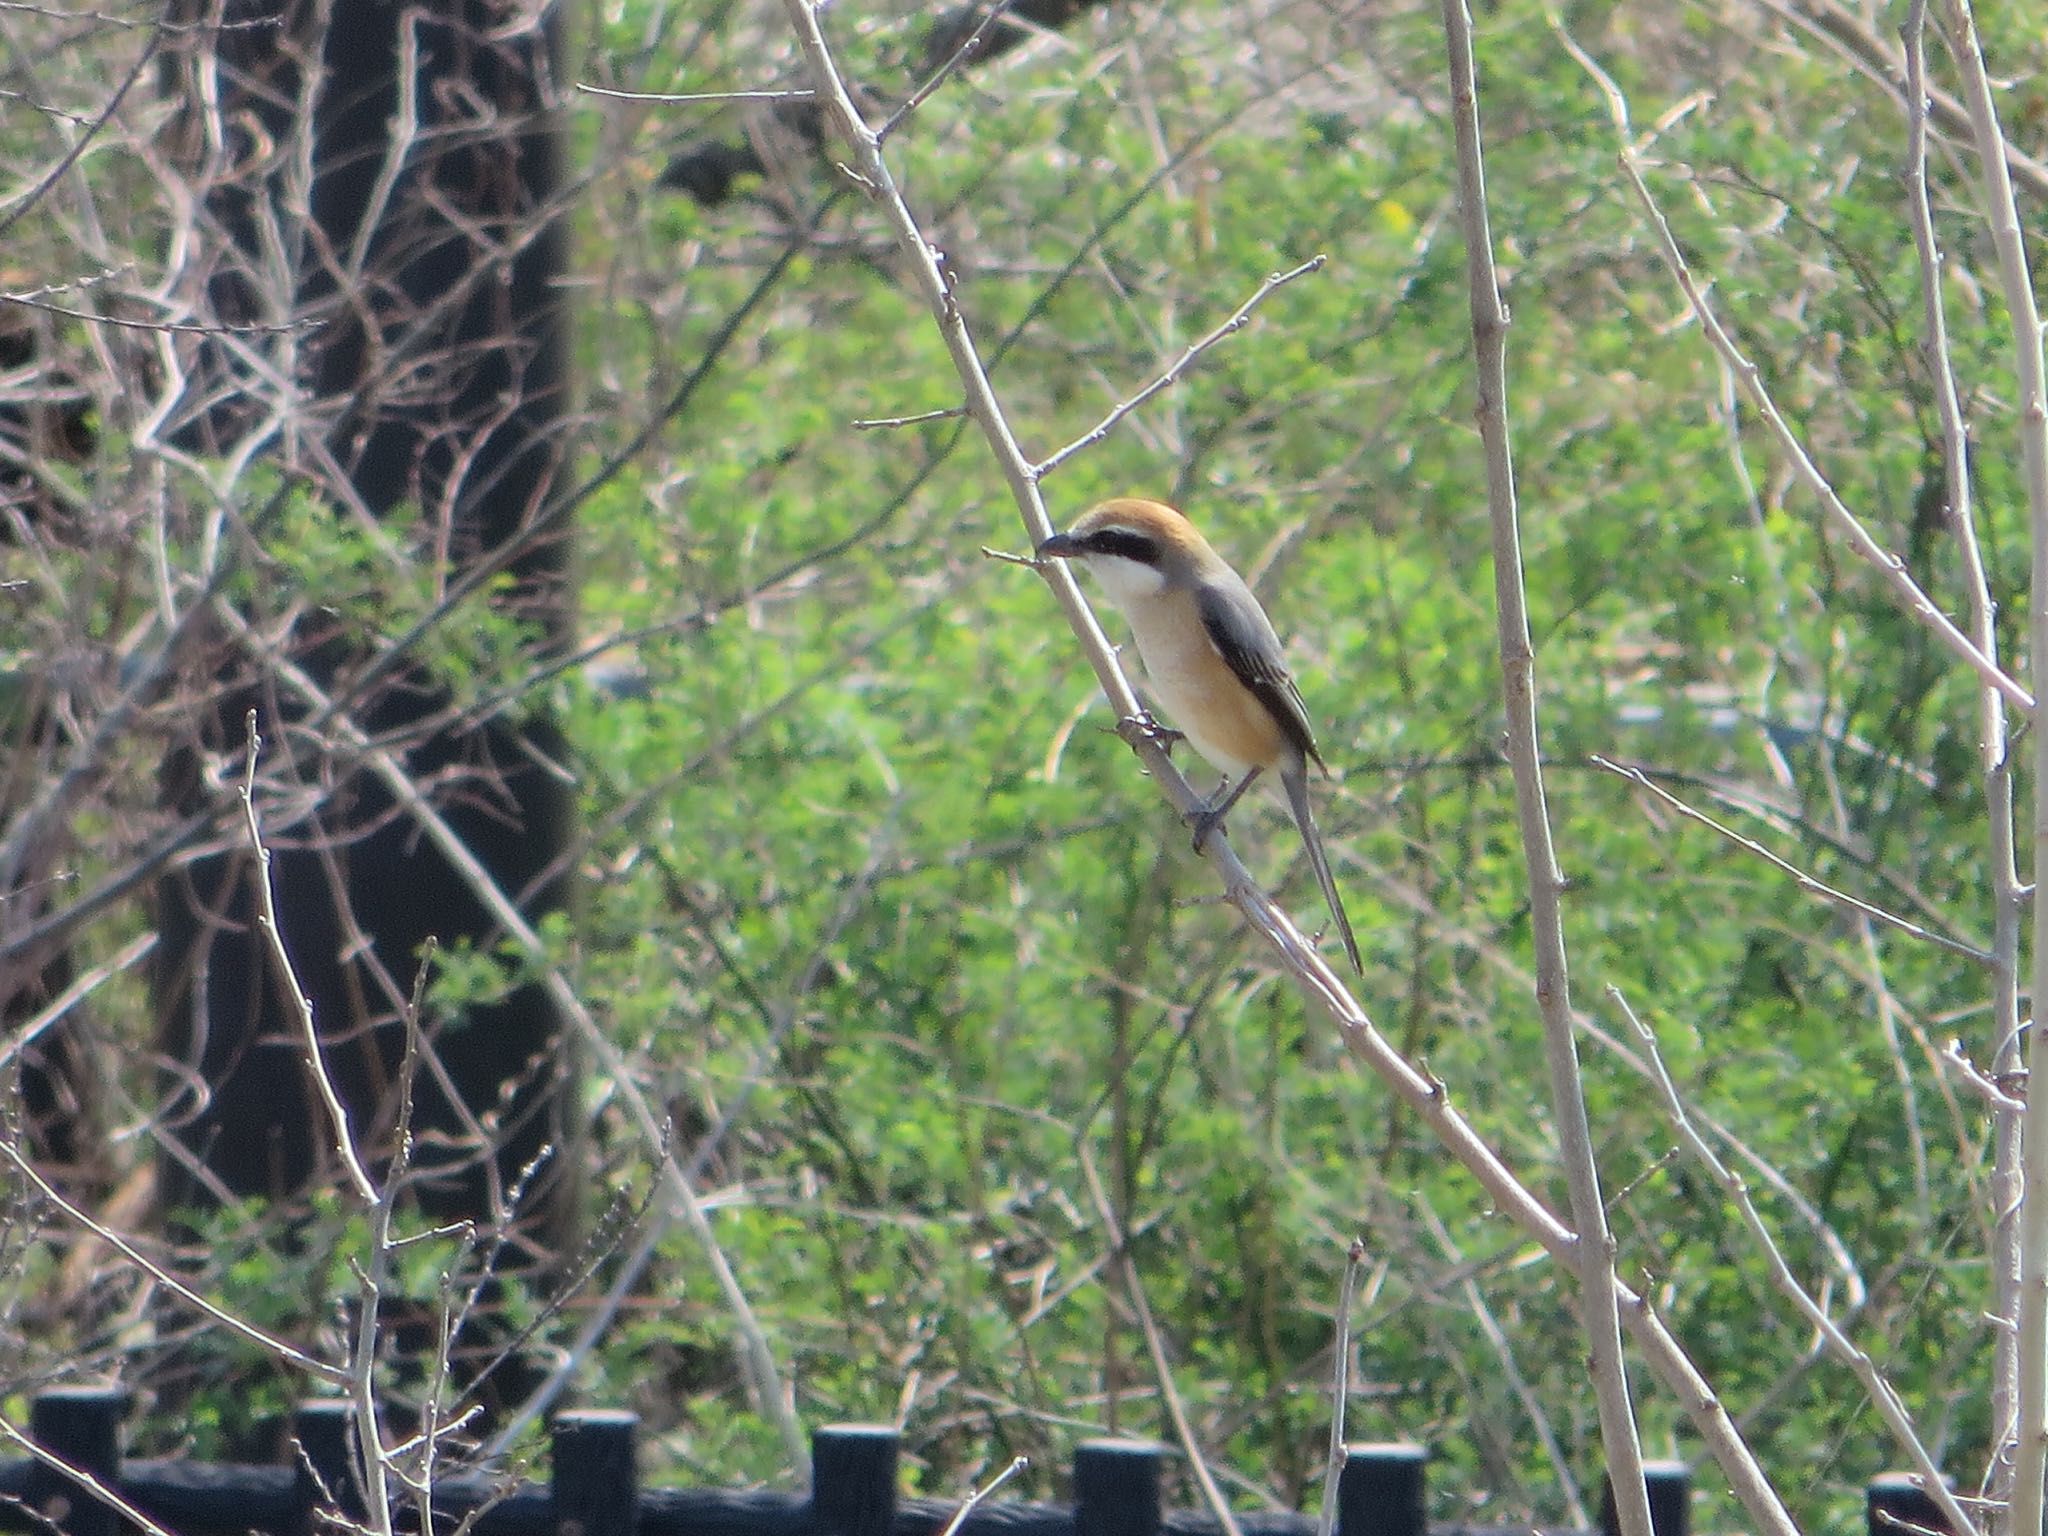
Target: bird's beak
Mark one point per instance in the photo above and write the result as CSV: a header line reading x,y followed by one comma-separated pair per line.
x,y
1061,546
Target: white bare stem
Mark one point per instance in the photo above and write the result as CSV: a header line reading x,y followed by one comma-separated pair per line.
x,y
1800,877
110,1497
1340,1391
288,978
81,988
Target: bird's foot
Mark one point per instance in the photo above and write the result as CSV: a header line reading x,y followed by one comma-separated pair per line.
x,y
1210,817
1146,727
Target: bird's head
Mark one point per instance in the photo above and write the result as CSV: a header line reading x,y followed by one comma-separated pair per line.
x,y
1135,547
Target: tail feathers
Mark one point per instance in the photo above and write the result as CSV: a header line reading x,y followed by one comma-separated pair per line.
x,y
1297,800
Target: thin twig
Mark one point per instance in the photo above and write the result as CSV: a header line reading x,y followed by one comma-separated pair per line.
x,y
1340,1387
944,413
939,76
402,132
1800,877
111,1497
148,1266
670,98
1466,1278
288,978
1592,1258
967,1505
1180,365
84,140
377,1461
166,327
82,987
1162,1369
1889,1406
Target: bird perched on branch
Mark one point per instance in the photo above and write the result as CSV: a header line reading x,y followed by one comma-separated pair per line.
x,y
1213,659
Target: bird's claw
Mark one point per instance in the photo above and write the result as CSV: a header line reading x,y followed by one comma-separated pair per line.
x,y
1207,819
1145,727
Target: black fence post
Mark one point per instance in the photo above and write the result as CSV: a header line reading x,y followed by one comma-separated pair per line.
x,y
596,1486
1669,1485
853,1479
1383,1490
1116,1488
1896,1500
81,1427
324,1470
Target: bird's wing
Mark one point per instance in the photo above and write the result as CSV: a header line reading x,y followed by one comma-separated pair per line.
x,y
1244,635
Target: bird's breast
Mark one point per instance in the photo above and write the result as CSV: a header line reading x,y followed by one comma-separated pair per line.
x,y
1198,692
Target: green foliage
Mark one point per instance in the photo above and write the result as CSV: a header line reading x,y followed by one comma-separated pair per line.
x,y
866,872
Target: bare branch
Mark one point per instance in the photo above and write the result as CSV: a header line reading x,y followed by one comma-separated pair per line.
x,y
1800,877
1592,1256
968,1505
939,76
1180,365
270,1342
81,987
111,1497
288,978
1340,1386
944,413
669,98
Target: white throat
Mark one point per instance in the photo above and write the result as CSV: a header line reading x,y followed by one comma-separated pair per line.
x,y
1127,581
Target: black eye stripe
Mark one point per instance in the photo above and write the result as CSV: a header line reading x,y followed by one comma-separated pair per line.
x,y
1139,547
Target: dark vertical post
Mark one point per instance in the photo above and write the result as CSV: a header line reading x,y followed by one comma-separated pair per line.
x,y
1116,1488
596,1485
81,1427
1669,1485
324,1471
853,1479
1896,1500
1383,1490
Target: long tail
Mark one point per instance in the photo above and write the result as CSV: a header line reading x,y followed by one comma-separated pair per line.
x,y
1297,800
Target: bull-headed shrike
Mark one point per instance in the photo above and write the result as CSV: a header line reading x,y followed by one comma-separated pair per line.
x,y
1214,662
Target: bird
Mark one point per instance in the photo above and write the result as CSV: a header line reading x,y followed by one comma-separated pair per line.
x,y
1213,659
